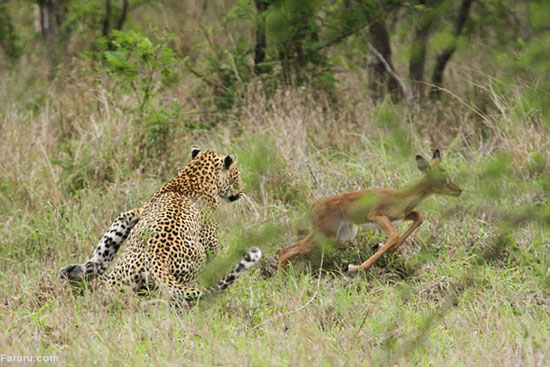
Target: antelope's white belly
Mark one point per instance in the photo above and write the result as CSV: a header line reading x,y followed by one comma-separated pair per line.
x,y
395,223
348,231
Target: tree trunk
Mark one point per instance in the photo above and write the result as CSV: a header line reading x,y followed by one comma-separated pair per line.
x,y
417,60
382,80
293,58
8,35
53,14
123,15
444,57
106,29
259,50
47,22
107,19
286,65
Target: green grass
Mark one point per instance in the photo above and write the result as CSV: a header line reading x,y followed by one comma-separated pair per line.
x,y
444,299
470,287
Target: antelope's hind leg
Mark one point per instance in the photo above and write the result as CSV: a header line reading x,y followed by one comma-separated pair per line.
x,y
300,248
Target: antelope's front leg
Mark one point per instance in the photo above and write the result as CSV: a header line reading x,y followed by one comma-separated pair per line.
x,y
417,219
393,238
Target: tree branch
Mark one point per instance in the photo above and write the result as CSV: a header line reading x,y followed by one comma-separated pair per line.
x,y
445,55
107,19
389,69
417,58
123,14
382,76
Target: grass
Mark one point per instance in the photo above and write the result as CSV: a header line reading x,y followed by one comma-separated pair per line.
x,y
441,300
470,287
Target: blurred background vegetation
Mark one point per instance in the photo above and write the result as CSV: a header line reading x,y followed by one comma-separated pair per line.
x,y
101,100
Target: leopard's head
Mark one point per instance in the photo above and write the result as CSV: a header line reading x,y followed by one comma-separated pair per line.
x,y
229,184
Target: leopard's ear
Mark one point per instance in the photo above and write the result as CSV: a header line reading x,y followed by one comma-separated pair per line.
x,y
194,151
229,160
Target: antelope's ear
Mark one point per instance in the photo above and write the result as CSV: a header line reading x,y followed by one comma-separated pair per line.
x,y
436,158
194,151
422,163
229,160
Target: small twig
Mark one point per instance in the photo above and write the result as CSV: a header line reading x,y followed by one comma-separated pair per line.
x,y
342,36
156,301
51,171
204,78
302,306
389,69
313,175
361,326
251,299
469,106
252,205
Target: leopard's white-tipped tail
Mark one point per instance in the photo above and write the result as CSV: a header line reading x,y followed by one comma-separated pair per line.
x,y
105,250
250,259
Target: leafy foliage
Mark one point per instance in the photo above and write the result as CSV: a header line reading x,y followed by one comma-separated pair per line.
x,y
143,68
227,73
140,66
9,37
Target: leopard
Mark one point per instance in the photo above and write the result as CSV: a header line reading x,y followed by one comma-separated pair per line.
x,y
169,238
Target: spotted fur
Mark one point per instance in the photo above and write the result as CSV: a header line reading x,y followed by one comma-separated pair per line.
x,y
171,235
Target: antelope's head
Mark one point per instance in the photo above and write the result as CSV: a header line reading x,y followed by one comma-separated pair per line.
x,y
437,178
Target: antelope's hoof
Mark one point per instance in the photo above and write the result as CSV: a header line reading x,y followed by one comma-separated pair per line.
x,y
377,246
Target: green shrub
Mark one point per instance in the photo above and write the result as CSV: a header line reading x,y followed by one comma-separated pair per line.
x,y
143,68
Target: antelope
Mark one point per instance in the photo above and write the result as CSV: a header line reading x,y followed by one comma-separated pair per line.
x,y
336,218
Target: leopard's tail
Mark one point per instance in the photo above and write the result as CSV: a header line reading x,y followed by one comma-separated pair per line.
x,y
105,250
251,258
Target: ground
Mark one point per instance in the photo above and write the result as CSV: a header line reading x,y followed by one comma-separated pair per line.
x,y
470,287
